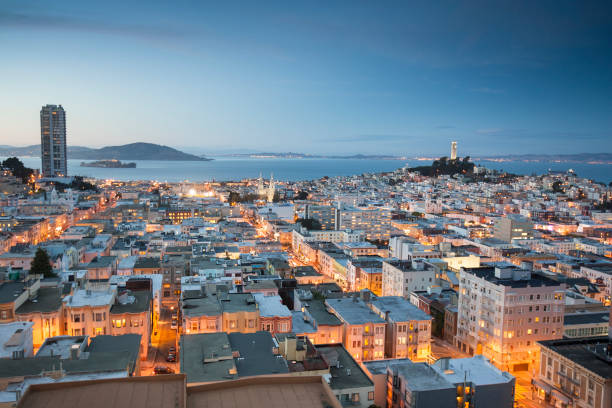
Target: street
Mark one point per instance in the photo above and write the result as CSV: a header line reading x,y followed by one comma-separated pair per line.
x,y
160,344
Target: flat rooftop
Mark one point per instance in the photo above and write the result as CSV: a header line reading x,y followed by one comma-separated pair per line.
x,y
270,306
400,309
586,352
264,392
163,391
353,311
477,370
84,297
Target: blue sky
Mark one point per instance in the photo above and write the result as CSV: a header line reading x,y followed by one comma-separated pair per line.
x,y
316,77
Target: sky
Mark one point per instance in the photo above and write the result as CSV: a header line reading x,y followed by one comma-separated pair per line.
x,y
405,78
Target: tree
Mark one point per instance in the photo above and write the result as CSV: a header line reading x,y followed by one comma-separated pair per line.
x,y
18,170
302,195
234,197
556,186
41,265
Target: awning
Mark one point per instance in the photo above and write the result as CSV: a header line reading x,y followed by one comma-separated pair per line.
x,y
542,385
559,396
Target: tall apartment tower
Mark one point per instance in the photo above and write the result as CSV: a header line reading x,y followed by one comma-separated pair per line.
x,y
53,141
453,150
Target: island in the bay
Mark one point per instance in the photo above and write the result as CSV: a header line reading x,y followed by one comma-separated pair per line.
x,y
109,164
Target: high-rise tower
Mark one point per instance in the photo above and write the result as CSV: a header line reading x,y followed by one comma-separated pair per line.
x,y
53,141
453,150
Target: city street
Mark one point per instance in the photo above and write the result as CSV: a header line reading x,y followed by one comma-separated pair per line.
x,y
160,344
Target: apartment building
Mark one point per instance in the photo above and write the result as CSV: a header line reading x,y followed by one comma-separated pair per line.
x,y
366,273
575,373
132,314
323,326
408,330
274,317
400,278
87,312
504,311
13,295
513,227
213,312
45,312
375,222
173,268
324,214
363,330
448,383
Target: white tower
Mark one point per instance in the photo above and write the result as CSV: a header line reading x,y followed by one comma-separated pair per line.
x,y
261,191
453,150
271,189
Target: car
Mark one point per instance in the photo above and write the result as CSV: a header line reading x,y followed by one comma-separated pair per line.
x,y
172,350
174,324
171,358
163,370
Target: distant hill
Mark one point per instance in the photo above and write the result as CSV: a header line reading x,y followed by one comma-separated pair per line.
x,y
132,151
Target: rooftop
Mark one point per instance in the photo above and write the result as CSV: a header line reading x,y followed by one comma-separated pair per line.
x,y
166,391
477,370
270,306
583,352
86,297
319,312
345,372
132,302
353,311
400,309
263,391
9,291
586,318
207,357
47,300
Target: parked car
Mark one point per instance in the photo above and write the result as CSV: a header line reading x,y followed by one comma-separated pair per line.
x,y
172,350
163,370
171,358
174,324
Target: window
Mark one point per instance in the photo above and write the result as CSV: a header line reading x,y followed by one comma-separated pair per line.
x,y
355,397
371,396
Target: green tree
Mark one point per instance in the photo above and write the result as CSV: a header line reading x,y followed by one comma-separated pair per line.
x,y
557,187
41,265
17,168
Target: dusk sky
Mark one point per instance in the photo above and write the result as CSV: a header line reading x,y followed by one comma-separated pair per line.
x,y
313,77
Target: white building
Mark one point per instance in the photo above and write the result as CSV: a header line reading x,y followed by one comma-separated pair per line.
x,y
504,311
399,278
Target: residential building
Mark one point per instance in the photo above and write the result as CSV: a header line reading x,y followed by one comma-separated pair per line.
x,y
408,331
45,311
53,149
363,332
575,372
87,312
504,311
349,382
513,227
400,278
16,340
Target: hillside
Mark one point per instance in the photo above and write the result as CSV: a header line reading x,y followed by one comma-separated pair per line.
x,y
132,151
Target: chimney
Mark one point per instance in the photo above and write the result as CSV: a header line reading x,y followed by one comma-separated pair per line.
x,y
74,352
